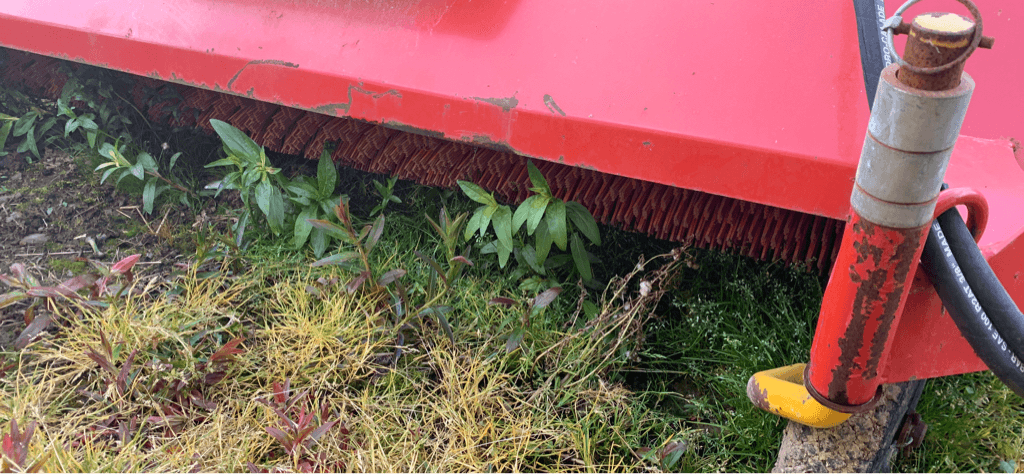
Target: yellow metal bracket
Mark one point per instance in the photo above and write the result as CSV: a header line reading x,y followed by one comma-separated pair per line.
x,y
781,391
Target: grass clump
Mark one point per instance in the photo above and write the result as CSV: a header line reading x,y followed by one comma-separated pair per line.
x,y
261,371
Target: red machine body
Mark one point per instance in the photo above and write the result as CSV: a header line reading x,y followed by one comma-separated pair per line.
x,y
759,102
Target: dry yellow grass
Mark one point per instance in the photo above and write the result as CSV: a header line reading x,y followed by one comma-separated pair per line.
x,y
470,407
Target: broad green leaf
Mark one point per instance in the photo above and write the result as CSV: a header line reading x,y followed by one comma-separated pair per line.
x,y
174,159
275,216
540,185
555,217
70,126
503,254
264,192
87,123
318,240
138,171
250,176
106,174
326,174
336,259
303,227
583,221
147,162
529,254
69,90
477,193
579,255
148,196
45,126
108,151
521,212
543,243
5,130
301,189
535,213
220,162
62,108
329,205
502,220
474,223
24,124
239,143
91,136
243,221
485,217
30,138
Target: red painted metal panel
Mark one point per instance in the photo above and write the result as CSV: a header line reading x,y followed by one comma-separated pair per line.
x,y
746,100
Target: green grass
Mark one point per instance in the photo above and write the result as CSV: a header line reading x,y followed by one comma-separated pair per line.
x,y
643,385
733,317
976,424
727,319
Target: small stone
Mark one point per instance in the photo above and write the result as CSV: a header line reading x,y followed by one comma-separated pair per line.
x,y
15,216
35,239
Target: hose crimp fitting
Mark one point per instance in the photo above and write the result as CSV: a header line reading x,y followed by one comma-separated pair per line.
x,y
907,148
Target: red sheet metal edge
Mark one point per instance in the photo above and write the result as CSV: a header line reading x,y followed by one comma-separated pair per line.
x,y
650,90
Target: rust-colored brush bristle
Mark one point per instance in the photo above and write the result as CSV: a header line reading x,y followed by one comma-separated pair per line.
x,y
693,217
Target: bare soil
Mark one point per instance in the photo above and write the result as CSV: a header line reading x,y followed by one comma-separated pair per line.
x,y
53,210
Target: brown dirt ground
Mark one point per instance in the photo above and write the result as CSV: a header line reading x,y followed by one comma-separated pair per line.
x,y
59,199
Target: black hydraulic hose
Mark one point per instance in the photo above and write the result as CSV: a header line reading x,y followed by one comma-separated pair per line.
x,y
874,54
967,311
988,290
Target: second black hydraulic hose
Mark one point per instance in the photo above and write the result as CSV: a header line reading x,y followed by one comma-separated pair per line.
x,y
960,299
